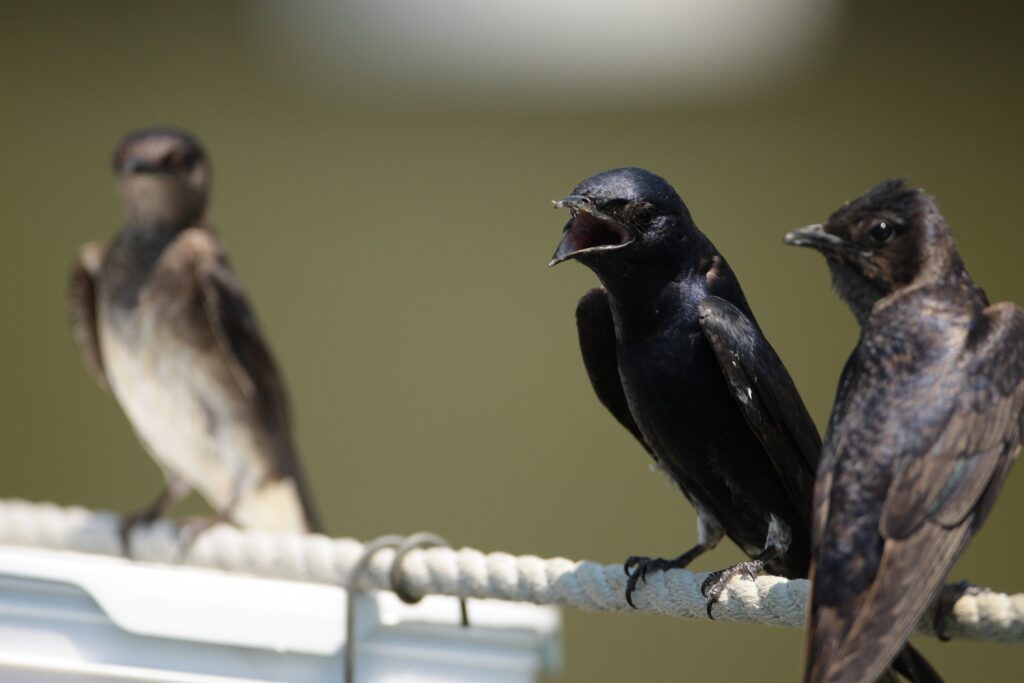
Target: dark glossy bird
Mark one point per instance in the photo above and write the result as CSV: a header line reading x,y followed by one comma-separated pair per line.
x,y
674,352
162,321
927,421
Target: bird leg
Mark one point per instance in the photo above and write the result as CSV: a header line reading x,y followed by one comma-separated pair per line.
x,y
193,527
709,533
173,491
776,543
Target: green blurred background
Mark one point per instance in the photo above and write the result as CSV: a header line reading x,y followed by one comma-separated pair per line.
x,y
393,236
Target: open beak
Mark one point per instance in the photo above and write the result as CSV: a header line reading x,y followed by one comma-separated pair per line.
x,y
814,236
588,231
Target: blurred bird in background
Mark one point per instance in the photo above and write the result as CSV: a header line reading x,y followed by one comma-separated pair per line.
x,y
161,320
928,418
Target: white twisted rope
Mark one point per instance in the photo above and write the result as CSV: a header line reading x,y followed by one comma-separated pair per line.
x,y
985,615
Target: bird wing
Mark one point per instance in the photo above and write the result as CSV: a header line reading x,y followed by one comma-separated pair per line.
x,y
984,428
826,470
858,640
244,351
600,356
936,501
766,396
82,304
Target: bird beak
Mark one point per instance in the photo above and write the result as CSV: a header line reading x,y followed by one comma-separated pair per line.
x,y
139,165
573,202
588,231
814,236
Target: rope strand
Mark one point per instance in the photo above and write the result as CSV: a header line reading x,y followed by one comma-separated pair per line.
x,y
467,573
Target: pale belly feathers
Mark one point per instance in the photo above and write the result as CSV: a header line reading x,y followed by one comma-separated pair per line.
x,y
186,412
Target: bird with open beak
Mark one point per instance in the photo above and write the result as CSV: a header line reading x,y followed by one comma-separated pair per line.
x,y
161,320
927,420
675,354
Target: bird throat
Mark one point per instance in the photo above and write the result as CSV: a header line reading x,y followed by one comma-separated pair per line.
x,y
853,288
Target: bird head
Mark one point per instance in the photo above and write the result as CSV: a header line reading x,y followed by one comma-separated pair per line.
x,y
163,177
888,238
622,219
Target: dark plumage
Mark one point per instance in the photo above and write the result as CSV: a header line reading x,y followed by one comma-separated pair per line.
x,y
928,418
161,319
674,352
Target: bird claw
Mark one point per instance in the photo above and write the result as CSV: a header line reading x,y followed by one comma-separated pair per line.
x,y
715,583
944,615
125,530
189,532
641,563
641,567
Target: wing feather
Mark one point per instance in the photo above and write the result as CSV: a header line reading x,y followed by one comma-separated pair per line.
x,y
766,395
945,483
82,288
596,329
245,353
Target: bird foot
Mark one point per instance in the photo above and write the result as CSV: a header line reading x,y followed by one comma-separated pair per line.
x,y
716,582
944,615
128,526
192,528
641,566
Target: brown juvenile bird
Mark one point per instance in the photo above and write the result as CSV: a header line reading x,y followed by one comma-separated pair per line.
x,y
161,320
928,418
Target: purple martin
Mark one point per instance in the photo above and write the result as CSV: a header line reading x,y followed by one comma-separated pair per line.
x,y
675,354
161,320
928,418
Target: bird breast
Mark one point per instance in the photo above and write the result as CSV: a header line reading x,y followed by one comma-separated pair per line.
x,y
179,399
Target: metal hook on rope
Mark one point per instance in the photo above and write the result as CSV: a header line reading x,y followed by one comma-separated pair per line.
x,y
369,550
402,546
423,539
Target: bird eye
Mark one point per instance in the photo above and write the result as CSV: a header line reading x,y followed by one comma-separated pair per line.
x,y
178,160
643,213
882,232
170,160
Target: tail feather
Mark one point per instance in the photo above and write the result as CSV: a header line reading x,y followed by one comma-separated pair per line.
x,y
279,506
914,667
